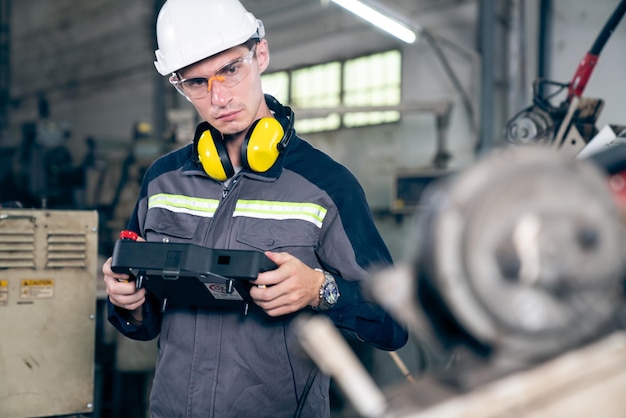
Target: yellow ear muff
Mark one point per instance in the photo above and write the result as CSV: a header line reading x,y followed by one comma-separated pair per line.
x,y
262,146
210,158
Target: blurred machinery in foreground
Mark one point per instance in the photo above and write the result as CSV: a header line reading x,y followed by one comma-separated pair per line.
x,y
514,294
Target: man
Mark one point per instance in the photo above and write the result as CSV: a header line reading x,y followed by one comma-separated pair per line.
x,y
304,210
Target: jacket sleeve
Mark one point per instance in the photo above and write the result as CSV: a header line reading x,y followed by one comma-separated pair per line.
x,y
351,248
362,320
149,328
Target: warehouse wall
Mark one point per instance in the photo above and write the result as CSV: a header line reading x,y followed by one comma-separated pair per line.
x,y
91,62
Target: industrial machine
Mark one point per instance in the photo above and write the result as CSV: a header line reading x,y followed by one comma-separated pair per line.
x,y
48,264
514,295
571,124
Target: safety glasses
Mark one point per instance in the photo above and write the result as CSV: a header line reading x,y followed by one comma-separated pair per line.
x,y
228,75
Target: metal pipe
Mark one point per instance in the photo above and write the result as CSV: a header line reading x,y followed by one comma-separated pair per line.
x,y
158,101
5,67
328,349
487,97
544,69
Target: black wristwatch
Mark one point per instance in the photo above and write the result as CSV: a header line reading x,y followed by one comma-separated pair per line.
x,y
329,292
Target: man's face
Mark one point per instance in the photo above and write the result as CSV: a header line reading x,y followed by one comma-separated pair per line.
x,y
231,110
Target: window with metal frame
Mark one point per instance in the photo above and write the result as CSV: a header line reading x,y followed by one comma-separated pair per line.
x,y
368,81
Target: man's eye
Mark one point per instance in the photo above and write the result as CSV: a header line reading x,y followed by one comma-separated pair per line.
x,y
195,82
230,69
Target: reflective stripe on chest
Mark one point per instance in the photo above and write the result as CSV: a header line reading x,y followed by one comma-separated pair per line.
x,y
184,204
264,209
260,209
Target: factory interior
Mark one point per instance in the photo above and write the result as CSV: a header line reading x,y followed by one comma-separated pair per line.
x,y
489,137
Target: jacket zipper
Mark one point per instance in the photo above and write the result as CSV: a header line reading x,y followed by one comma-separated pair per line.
x,y
227,188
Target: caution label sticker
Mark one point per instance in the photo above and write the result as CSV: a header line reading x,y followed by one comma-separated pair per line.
x,y
4,292
36,288
220,291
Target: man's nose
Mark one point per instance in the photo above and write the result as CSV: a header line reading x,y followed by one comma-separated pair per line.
x,y
219,94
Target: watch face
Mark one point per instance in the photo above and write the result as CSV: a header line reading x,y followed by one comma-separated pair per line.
x,y
331,294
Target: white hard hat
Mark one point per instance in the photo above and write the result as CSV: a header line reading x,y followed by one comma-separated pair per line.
x,y
189,31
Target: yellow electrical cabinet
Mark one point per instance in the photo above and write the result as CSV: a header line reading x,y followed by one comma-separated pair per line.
x,y
48,267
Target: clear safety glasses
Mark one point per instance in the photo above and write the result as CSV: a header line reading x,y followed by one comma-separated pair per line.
x,y
228,75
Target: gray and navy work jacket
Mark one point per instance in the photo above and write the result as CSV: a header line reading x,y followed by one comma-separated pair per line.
x,y
226,363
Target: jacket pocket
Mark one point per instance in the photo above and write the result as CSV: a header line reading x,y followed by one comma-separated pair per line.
x,y
277,235
164,225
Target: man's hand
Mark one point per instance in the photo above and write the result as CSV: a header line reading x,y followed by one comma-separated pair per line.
x,y
122,292
287,289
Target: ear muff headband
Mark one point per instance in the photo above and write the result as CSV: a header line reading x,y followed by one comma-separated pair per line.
x,y
260,149
214,157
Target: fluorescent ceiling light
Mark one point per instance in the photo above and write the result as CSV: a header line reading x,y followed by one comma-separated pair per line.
x,y
376,18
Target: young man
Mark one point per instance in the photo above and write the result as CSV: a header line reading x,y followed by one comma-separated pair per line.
x,y
304,210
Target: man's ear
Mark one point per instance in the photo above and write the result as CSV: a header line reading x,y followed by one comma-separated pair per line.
x,y
263,54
